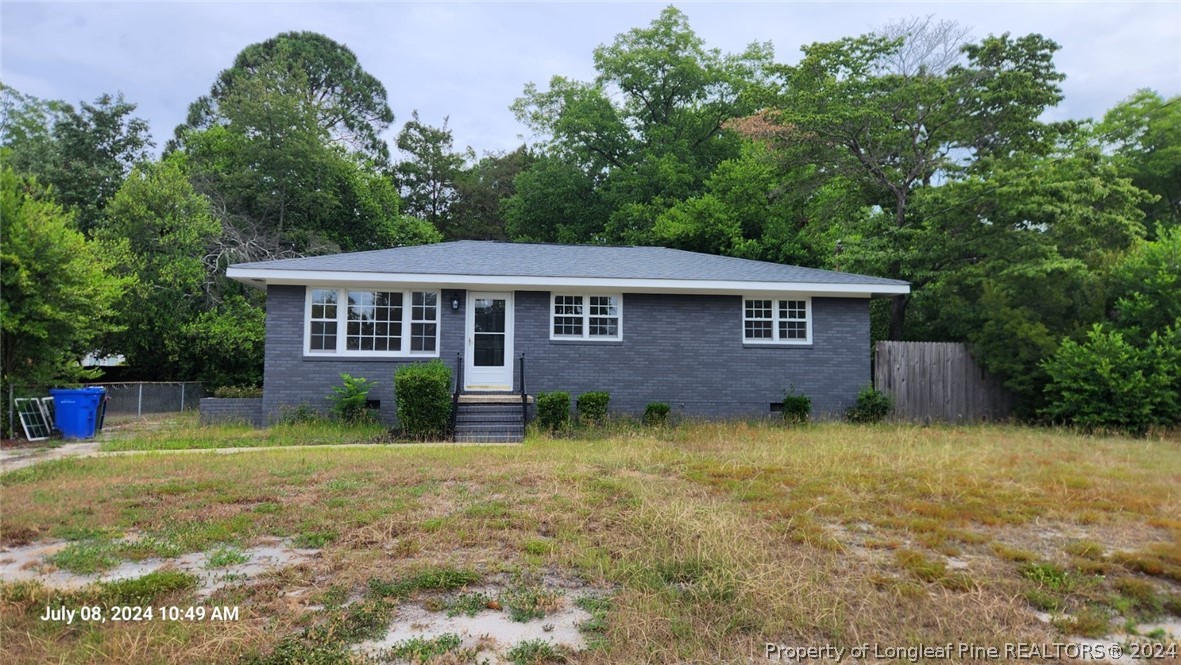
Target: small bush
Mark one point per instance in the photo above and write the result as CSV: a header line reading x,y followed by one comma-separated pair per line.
x,y
592,407
553,410
348,402
872,406
797,407
238,391
423,393
656,414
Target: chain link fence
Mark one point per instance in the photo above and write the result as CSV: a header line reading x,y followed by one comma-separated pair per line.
x,y
132,398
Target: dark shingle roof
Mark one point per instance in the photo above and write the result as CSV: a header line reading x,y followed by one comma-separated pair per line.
x,y
506,259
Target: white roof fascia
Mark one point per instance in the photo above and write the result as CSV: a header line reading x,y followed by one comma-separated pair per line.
x,y
304,277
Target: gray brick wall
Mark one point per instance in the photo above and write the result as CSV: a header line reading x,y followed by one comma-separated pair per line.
x,y
685,350
247,410
290,379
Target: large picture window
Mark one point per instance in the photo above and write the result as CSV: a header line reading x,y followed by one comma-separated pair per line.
x,y
777,320
374,323
586,317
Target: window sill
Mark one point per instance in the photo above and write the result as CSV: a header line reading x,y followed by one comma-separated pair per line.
x,y
586,342
777,345
364,359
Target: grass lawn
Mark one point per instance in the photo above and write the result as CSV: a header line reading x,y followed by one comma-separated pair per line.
x,y
705,541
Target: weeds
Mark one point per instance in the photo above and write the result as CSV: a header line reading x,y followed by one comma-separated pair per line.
x,y
467,604
535,652
422,650
225,557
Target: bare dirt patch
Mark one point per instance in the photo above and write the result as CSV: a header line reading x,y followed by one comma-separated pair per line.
x,y
30,563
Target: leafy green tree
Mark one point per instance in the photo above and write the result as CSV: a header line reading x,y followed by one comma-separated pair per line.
x,y
752,208
26,130
896,121
83,153
58,294
645,134
158,231
428,176
482,190
324,76
281,187
226,344
1146,287
555,201
1145,132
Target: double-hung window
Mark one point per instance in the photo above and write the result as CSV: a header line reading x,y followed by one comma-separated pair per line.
x,y
777,320
586,317
371,322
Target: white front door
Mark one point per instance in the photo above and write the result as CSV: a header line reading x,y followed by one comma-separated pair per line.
x,y
488,361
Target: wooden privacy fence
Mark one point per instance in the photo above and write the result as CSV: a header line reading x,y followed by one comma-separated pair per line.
x,y
938,382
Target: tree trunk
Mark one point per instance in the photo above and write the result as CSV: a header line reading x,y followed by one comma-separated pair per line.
x,y
898,316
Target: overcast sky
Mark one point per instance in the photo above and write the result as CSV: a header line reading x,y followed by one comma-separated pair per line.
x,y
470,60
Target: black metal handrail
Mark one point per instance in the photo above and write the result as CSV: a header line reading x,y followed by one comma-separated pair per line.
x,y
458,388
524,395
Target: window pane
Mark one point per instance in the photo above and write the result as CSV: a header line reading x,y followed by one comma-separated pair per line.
x,y
604,327
489,315
793,330
374,321
603,306
793,309
422,336
568,325
758,329
757,309
568,305
489,350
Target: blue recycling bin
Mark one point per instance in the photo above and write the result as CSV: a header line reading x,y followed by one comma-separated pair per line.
x,y
76,410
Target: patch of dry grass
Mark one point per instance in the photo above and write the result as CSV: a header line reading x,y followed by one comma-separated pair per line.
x,y
713,538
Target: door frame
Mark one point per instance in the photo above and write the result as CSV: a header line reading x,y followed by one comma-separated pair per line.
x,y
469,330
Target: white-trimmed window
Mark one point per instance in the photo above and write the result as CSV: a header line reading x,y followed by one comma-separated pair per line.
x,y
777,320
371,322
588,317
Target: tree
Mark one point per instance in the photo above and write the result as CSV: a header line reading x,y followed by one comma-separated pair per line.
x,y
427,177
482,190
281,187
58,294
896,119
324,76
158,231
647,131
555,201
84,153
1145,292
753,209
1145,133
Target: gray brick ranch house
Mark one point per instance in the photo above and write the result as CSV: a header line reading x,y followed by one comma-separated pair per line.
x,y
708,335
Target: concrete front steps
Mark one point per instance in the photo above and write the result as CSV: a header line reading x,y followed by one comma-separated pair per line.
x,y
483,418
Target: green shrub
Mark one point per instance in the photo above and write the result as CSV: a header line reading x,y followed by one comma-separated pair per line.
x,y
553,410
348,402
592,407
656,414
797,407
1107,383
872,406
423,393
237,391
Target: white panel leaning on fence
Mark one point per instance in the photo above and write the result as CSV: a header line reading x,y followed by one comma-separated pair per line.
x,y
938,382
135,398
